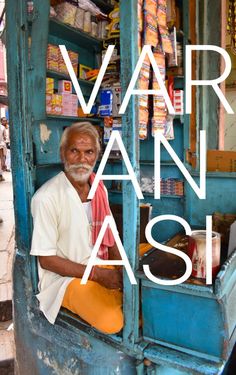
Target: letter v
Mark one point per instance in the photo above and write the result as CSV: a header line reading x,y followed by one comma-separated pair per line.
x,y
86,108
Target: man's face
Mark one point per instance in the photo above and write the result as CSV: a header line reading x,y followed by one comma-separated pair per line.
x,y
79,156
4,121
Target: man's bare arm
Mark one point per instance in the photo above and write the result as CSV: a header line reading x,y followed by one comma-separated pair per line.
x,y
114,253
61,266
111,279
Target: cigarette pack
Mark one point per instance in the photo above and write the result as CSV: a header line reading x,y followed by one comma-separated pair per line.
x,y
49,85
64,87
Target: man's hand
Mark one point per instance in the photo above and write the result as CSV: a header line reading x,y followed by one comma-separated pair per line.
x,y
109,278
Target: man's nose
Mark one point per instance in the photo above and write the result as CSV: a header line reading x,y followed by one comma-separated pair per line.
x,y
81,157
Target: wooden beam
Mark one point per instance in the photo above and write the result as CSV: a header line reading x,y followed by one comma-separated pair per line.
x,y
191,154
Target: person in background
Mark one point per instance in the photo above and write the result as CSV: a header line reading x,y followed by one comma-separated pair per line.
x,y
2,150
7,142
66,226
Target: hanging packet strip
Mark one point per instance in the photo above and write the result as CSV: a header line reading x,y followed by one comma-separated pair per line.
x,y
159,105
140,15
159,57
151,6
162,26
165,40
143,115
150,36
162,14
169,128
143,131
145,71
158,125
143,122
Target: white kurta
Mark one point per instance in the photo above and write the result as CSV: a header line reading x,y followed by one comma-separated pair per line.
x,y
61,228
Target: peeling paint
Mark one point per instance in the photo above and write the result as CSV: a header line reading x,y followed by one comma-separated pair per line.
x,y
56,368
44,133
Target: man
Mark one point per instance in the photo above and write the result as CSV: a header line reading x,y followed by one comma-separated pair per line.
x,y
7,160
66,226
2,150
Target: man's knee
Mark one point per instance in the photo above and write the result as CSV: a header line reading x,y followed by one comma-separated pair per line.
x,y
111,322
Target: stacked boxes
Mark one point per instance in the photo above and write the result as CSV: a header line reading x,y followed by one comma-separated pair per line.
x,y
64,87
169,186
54,104
106,97
69,104
172,186
61,64
53,57
69,100
56,62
64,103
178,102
74,57
110,101
49,86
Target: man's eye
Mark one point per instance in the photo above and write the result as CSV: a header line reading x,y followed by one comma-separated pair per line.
x,y
90,152
73,150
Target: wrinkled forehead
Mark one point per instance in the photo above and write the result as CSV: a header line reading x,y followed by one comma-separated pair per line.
x,y
80,140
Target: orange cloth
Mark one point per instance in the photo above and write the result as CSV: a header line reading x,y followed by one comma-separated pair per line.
x,y
98,306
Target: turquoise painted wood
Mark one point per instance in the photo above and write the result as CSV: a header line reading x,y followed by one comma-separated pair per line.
x,y
191,318
129,54
71,347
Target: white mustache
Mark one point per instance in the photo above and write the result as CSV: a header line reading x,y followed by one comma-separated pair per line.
x,y
72,167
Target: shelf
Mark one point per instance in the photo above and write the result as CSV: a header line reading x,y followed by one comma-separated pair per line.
x,y
58,75
164,196
89,119
148,194
73,35
103,5
145,162
163,163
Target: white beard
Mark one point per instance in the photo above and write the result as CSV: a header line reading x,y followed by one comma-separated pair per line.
x,y
72,170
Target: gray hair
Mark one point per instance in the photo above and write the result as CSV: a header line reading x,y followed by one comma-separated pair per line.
x,y
80,128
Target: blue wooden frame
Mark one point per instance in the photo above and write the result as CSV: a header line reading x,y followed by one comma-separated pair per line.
x,y
70,344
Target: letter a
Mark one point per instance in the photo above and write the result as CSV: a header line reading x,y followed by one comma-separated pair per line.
x,y
115,136
95,261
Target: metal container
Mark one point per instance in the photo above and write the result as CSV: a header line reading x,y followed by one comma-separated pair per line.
x,y
197,253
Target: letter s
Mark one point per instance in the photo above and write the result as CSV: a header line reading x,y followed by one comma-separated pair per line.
x,y
168,249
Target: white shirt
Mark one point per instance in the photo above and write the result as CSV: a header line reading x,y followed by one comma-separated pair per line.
x,y
88,209
61,228
2,136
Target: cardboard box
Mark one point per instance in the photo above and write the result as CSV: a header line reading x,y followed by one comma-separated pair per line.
x,y
106,97
69,104
64,87
49,85
56,104
223,161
